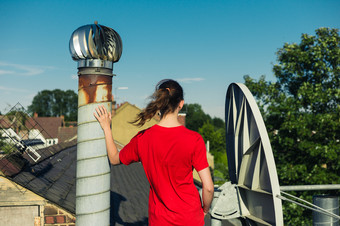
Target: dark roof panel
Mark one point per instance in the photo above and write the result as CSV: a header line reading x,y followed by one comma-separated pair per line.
x,y
54,178
129,195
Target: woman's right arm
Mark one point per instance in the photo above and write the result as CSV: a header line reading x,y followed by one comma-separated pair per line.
x,y
104,118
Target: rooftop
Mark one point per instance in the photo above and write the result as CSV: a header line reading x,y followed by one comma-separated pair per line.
x,y
54,178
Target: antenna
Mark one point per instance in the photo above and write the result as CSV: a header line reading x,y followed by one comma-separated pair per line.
x,y
16,135
253,196
254,182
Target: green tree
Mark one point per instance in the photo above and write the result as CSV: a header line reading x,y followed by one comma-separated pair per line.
x,y
215,136
5,148
217,143
302,111
212,130
55,103
16,119
218,123
195,116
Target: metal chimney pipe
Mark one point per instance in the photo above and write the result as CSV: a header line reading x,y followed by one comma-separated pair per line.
x,y
329,203
96,48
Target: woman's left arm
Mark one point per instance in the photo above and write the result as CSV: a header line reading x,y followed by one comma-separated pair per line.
x,y
207,189
104,118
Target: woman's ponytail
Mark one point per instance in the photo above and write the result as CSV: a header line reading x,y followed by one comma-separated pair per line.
x,y
164,100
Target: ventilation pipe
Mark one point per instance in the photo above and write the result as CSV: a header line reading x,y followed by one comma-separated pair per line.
x,y
95,48
328,203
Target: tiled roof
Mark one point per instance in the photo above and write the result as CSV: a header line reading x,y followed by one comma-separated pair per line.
x,y
5,122
54,178
48,126
129,195
66,133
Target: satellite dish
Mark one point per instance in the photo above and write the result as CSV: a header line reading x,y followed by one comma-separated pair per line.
x,y
250,159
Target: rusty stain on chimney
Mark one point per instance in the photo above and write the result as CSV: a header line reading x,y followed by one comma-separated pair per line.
x,y
94,88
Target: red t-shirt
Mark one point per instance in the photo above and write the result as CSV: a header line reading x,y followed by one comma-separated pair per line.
x,y
168,156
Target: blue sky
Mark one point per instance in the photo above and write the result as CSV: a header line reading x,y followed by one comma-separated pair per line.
x,y
205,45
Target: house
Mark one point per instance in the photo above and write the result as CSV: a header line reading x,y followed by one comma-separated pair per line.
x,y
122,129
66,133
46,127
50,130
28,134
39,193
23,207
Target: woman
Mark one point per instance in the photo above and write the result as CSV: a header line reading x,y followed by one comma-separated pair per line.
x,y
168,152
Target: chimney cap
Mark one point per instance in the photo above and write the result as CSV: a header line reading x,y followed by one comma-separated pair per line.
x,y
95,41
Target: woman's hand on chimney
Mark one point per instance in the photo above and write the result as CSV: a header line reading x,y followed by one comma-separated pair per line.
x,y
104,117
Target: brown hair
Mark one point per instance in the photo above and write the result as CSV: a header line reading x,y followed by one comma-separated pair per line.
x,y
165,99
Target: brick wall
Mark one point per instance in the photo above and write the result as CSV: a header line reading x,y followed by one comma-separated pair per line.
x,y
181,118
57,217
29,208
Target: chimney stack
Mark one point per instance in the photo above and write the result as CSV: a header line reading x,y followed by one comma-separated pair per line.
x,y
95,48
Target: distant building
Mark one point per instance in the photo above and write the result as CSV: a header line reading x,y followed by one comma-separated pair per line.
x,y
66,133
32,133
51,129
20,206
41,193
181,118
122,129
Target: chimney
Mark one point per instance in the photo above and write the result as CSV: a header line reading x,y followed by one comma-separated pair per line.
x,y
114,106
95,48
62,120
181,118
